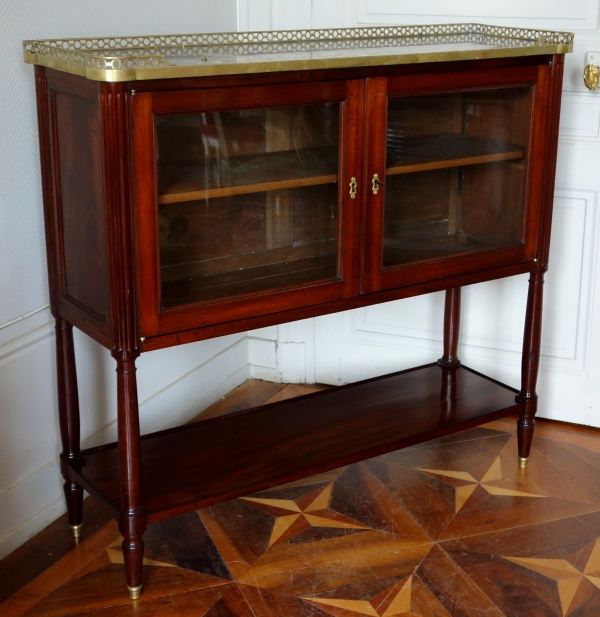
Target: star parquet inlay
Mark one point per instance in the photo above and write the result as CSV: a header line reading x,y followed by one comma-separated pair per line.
x,y
452,527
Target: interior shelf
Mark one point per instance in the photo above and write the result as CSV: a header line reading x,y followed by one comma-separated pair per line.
x,y
251,279
427,152
411,250
314,166
199,464
276,170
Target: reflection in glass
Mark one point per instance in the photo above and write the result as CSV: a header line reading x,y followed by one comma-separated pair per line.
x,y
247,200
455,174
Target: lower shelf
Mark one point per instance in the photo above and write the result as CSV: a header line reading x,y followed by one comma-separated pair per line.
x,y
249,280
196,465
409,250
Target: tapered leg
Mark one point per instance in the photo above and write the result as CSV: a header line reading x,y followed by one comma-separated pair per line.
x,y
451,328
132,520
530,365
68,409
449,361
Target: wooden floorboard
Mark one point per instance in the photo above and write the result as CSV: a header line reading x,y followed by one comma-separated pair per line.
x,y
47,547
252,393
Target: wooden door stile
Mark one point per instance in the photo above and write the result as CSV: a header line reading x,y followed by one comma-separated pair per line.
x,y
375,163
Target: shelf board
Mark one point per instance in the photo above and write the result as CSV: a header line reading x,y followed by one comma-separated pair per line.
x,y
428,152
199,464
315,166
276,170
250,280
416,249
244,261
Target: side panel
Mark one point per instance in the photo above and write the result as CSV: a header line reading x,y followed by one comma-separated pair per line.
x,y
79,213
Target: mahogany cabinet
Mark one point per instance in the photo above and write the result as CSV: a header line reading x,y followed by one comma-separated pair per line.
x,y
201,185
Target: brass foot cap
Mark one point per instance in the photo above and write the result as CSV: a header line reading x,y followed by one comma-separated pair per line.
x,y
523,462
76,529
134,592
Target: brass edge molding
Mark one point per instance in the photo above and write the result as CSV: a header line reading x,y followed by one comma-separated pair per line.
x,y
147,57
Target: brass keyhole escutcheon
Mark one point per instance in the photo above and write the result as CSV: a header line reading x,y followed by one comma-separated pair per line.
x,y
591,76
375,184
353,187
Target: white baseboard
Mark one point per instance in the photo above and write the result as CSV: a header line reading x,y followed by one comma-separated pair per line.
x,y
29,506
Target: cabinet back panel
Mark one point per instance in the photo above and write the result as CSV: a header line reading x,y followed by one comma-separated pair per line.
x,y
424,197
226,247
487,191
78,165
503,115
425,115
210,229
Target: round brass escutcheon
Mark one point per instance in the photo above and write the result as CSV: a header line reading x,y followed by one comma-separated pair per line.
x,y
591,76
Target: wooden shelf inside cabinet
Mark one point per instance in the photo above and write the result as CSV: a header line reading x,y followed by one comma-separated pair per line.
x,y
277,170
315,166
185,469
428,152
303,270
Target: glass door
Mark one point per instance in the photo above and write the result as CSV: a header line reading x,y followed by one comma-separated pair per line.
x,y
247,200
448,189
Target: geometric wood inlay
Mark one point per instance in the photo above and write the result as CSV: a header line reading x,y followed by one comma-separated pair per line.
x,y
310,510
464,491
570,579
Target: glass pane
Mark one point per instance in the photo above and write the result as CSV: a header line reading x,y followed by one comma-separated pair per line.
x,y
248,201
455,174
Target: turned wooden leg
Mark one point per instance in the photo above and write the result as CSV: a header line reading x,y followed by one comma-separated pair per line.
x,y
68,409
530,365
449,361
451,328
132,520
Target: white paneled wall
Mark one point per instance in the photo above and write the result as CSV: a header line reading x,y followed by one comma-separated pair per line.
x,y
173,384
551,14
358,344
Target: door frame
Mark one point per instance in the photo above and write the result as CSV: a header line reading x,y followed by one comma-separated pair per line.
x,y
145,105
379,89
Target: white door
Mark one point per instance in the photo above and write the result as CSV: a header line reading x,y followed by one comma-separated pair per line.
x,y
350,346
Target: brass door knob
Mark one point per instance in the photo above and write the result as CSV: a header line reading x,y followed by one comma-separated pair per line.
x,y
591,76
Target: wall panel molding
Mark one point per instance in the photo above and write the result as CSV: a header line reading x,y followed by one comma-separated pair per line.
x,y
415,324
580,116
574,15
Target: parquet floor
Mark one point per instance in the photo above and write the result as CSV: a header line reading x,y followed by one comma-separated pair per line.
x,y
450,527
